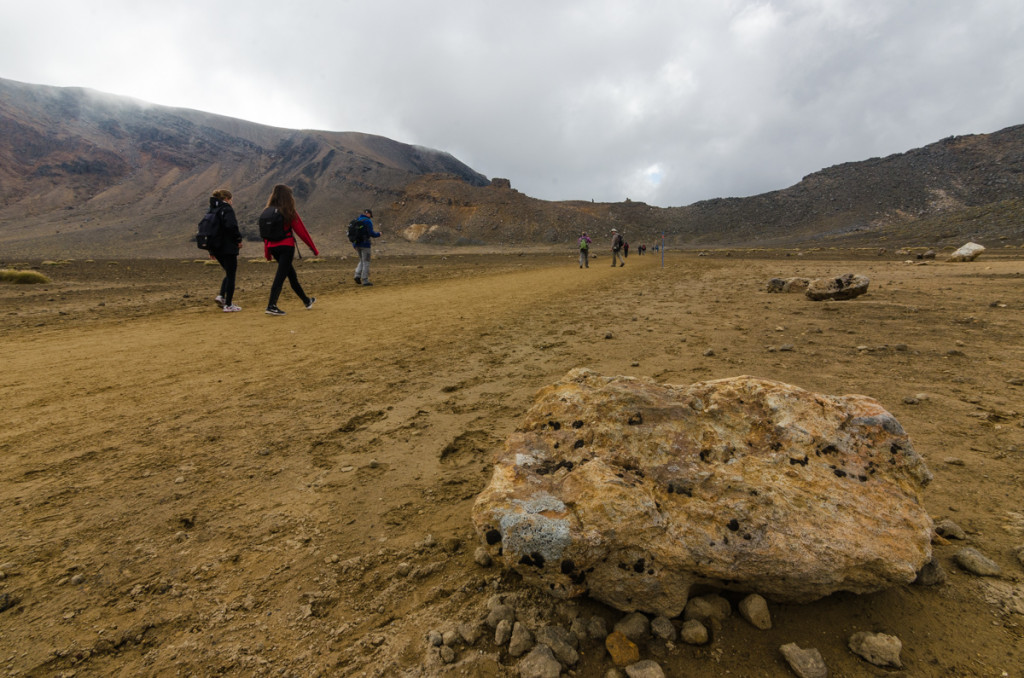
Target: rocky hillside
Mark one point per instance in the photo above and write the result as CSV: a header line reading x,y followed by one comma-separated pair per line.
x,y
88,174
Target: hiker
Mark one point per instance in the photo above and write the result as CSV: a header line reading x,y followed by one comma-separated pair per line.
x,y
225,246
617,248
362,245
625,250
283,249
584,243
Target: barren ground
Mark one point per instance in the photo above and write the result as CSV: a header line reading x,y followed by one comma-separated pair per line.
x,y
188,492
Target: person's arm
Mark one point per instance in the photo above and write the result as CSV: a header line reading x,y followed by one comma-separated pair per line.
x,y
299,229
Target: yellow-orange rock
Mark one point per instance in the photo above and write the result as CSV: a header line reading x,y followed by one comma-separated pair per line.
x,y
633,492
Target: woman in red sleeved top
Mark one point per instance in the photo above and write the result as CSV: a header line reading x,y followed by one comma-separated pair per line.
x,y
284,250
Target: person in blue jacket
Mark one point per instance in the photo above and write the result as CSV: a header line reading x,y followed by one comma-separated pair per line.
x,y
362,275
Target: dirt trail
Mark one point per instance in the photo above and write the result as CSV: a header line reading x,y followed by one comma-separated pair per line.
x,y
186,491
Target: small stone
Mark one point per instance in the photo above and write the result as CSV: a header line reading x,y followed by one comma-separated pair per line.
x,y
447,654
973,561
609,335
787,348
596,628
647,668
878,648
931,574
500,613
694,633
705,608
634,626
450,638
621,649
77,579
435,638
806,663
709,352
1019,552
754,609
950,530
521,640
663,628
562,643
503,632
470,632
635,363
540,663
482,557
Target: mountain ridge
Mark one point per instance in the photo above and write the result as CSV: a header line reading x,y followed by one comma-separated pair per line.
x,y
84,173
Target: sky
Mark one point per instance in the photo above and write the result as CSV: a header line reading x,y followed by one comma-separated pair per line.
x,y
663,101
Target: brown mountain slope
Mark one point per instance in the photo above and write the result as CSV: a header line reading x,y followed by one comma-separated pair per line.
x,y
89,174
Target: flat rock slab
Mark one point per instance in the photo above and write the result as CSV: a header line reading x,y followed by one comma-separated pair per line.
x,y
838,289
634,492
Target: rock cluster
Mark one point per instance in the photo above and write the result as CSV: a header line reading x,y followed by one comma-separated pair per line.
x,y
635,492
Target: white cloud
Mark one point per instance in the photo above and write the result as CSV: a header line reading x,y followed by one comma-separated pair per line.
x,y
576,99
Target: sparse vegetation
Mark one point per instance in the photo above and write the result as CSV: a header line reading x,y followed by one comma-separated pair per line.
x,y
23,277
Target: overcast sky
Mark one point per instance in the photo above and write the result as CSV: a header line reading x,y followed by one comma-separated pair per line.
x,y
664,101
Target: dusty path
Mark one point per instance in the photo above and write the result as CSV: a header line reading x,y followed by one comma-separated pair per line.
x,y
185,491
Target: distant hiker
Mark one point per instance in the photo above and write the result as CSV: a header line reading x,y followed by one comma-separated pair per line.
x,y
360,232
279,223
224,247
617,248
625,250
584,243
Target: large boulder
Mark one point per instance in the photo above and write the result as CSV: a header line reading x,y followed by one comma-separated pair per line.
x,y
844,287
635,492
968,252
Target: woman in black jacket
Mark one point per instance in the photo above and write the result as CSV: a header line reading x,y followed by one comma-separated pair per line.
x,y
225,247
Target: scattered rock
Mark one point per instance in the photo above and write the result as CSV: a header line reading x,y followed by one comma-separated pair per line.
x,y
447,654
562,643
499,613
748,455
482,557
435,638
806,663
844,287
647,668
471,632
521,641
596,628
503,632
931,574
786,285
878,648
968,252
663,628
950,530
694,632
707,608
540,663
754,609
634,626
973,561
621,649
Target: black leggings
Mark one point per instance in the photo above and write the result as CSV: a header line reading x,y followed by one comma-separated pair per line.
x,y
229,262
284,255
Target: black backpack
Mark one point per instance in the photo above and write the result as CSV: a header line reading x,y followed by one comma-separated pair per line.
x,y
209,230
272,225
356,231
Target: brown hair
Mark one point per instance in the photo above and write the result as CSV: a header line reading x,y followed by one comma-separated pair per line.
x,y
281,198
222,194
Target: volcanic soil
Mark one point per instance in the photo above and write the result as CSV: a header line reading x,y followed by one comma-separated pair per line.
x,y
190,492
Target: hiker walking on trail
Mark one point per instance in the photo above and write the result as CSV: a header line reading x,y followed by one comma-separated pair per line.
x,y
617,248
279,224
224,247
360,233
584,243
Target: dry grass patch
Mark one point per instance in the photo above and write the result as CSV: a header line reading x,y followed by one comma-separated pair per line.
x,y
22,277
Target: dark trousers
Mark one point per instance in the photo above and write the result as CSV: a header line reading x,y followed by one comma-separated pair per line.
x,y
229,262
284,254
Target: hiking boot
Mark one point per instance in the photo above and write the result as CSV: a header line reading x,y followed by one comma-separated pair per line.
x,y
358,281
232,309
367,284
220,300
309,304
274,310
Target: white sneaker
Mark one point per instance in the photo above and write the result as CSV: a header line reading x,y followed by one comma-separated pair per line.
x,y
232,309
220,300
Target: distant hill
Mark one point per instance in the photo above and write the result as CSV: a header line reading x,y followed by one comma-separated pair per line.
x,y
89,174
